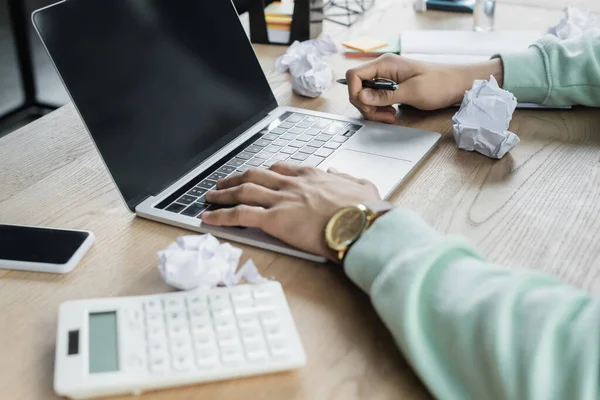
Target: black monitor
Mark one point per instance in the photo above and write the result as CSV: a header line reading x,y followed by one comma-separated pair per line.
x,y
160,84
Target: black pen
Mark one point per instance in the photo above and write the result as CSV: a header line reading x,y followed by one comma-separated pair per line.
x,y
376,83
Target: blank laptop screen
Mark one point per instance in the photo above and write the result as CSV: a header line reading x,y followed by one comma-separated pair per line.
x,y
160,84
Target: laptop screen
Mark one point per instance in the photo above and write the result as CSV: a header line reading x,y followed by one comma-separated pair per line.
x,y
160,84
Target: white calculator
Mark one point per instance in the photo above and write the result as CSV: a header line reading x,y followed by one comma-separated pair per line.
x,y
133,344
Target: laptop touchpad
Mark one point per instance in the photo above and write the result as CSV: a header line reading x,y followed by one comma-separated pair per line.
x,y
384,172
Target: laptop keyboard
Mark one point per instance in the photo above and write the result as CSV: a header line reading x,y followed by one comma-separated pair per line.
x,y
293,138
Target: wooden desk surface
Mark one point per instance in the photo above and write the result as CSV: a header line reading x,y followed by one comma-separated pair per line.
x,y
536,208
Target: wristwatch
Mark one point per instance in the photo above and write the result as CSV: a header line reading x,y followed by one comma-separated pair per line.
x,y
348,224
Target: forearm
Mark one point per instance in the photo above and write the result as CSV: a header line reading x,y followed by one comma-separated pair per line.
x,y
473,330
554,72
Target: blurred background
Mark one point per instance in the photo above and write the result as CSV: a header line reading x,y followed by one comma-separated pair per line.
x,y
49,87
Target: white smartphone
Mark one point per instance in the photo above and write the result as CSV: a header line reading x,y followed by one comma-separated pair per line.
x,y
33,248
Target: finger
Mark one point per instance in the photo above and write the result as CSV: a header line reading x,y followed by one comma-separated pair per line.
x,y
242,215
247,193
262,177
343,175
372,97
291,169
385,114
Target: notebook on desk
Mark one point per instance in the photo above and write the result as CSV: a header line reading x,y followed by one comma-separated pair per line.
x,y
466,47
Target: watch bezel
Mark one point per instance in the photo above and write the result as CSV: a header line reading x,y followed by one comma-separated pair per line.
x,y
335,218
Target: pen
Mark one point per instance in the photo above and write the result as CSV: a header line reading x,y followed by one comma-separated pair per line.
x,y
376,83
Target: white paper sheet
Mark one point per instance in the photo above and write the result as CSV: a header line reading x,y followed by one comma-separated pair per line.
x,y
311,76
200,261
482,122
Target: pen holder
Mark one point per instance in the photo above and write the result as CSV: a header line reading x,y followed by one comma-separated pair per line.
x,y
307,21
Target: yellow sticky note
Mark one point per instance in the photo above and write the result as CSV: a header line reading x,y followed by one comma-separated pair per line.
x,y
365,44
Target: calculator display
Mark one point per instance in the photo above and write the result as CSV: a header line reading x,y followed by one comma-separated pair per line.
x,y
103,346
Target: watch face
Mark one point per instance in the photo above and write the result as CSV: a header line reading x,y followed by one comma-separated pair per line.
x,y
345,227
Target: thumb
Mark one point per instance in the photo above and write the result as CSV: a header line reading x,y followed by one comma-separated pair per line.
x,y
374,97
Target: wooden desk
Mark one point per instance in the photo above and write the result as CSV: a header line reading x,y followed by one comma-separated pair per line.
x,y
537,208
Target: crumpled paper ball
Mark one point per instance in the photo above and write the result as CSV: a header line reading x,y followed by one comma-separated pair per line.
x,y
311,75
575,23
200,261
481,123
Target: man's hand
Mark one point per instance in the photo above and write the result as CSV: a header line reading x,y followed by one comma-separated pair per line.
x,y
422,85
292,203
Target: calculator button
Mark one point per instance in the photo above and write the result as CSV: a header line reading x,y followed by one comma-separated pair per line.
x,y
152,305
279,351
173,303
269,318
199,314
232,357
207,359
197,301
159,364
176,317
257,356
156,334
223,326
158,348
204,341
274,333
154,320
261,293
183,362
222,312
181,346
179,330
218,299
248,321
229,340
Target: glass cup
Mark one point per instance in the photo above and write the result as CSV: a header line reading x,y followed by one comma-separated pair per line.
x,y
483,15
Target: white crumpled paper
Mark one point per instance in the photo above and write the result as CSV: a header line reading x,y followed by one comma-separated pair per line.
x,y
482,122
575,23
200,261
311,76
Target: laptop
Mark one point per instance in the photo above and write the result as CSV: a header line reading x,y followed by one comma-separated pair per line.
x,y
174,99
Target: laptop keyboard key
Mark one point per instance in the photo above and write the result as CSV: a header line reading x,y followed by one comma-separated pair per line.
x,y
324,137
287,136
268,163
226,169
273,148
300,156
280,157
196,191
296,131
244,156
308,149
255,162
264,155
323,153
281,142
294,118
288,150
305,138
215,176
175,207
297,144
332,145
322,123
353,127
316,143
236,162
312,132
313,161
349,133
304,124
339,139
186,199
244,168
278,131
286,125
292,161
207,184
253,149
194,209
265,141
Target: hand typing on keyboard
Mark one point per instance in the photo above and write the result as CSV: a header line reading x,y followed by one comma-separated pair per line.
x,y
290,202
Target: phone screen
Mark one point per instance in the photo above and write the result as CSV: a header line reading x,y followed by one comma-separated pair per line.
x,y
40,245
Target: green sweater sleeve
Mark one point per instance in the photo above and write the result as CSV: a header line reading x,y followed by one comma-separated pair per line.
x,y
473,330
555,72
